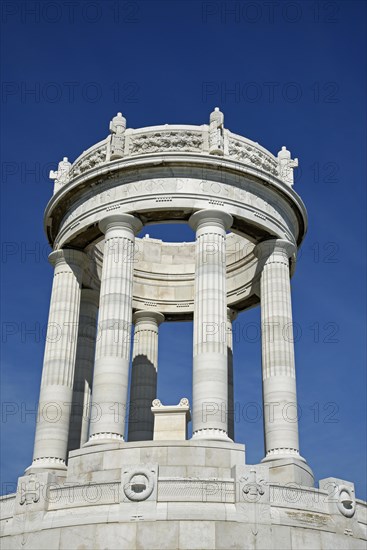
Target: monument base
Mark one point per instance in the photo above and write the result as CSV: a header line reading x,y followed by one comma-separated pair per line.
x,y
190,495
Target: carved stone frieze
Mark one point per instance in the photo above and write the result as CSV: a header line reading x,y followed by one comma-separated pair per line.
x,y
165,140
248,154
95,158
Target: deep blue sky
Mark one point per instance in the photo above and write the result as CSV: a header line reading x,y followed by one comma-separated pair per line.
x,y
297,70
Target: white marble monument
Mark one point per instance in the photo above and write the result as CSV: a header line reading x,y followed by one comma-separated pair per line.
x,y
116,470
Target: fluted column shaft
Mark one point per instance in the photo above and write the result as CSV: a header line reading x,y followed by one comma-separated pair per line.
x,y
278,365
84,363
143,386
231,316
111,369
50,447
210,368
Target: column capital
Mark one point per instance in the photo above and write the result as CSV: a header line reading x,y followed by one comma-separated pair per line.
x,y
265,249
210,217
126,221
146,315
69,256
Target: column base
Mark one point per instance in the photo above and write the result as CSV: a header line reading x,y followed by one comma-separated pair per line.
x,y
211,434
104,438
47,464
276,454
289,469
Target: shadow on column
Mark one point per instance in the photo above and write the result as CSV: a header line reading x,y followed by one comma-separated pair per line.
x,y
78,427
230,414
143,390
82,389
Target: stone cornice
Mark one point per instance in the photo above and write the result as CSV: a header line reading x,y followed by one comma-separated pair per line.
x,y
107,174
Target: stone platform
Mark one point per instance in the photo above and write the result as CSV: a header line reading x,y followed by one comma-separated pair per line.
x,y
177,495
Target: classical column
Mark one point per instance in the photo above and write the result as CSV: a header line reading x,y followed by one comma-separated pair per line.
x,y
210,368
278,366
111,368
143,386
84,363
52,429
231,316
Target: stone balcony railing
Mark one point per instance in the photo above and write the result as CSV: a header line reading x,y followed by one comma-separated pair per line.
x,y
211,139
166,139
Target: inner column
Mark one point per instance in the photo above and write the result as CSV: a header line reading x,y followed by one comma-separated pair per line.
x,y
143,387
210,368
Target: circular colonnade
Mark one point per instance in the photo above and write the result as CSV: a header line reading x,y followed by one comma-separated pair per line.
x,y
248,220
158,489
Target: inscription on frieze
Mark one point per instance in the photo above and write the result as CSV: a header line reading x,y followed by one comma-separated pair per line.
x,y
132,195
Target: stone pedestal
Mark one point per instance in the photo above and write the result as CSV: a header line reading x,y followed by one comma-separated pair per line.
x,y
170,422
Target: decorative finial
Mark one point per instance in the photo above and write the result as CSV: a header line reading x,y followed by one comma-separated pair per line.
x,y
216,132
61,175
217,116
118,124
286,165
184,402
117,129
